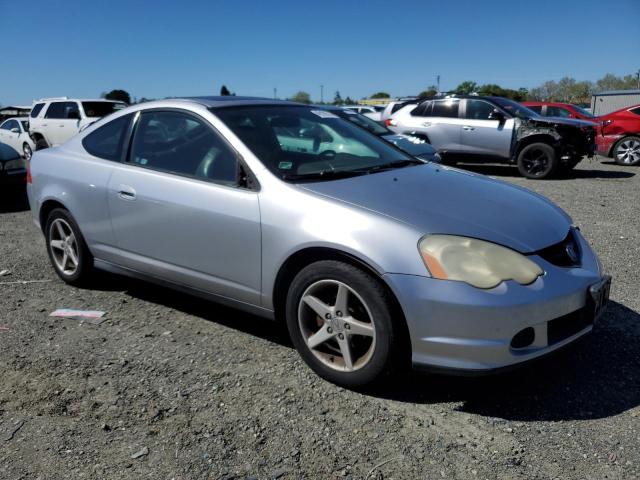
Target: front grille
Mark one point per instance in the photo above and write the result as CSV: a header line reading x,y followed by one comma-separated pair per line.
x,y
568,325
566,253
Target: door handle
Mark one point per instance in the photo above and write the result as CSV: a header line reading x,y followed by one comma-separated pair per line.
x,y
125,192
426,124
468,128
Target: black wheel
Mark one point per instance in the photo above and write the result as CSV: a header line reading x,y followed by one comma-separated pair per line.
x,y
627,151
537,161
67,249
26,151
340,320
41,144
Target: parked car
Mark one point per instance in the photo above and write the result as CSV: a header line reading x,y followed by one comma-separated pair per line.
x,y
15,133
372,111
13,168
620,135
393,107
414,146
374,259
53,121
561,110
498,129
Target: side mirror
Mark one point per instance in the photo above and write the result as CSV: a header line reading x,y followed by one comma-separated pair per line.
x,y
496,115
15,130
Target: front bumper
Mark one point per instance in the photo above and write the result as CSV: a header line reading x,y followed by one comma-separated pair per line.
x,y
455,326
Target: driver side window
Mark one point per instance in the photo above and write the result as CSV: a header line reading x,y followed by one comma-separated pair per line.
x,y
183,144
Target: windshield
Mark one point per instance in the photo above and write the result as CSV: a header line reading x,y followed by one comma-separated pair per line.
x,y
101,109
364,122
583,112
302,142
515,109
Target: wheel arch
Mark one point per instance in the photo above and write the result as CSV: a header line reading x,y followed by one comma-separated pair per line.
x,y
533,138
617,142
46,208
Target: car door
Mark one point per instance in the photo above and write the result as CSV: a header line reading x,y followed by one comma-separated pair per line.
x,y
439,121
69,125
484,135
178,213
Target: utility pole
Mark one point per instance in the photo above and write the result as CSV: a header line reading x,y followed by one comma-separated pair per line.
x,y
321,93
638,77
438,82
275,93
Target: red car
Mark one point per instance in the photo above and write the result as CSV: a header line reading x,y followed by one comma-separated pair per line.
x,y
556,109
619,135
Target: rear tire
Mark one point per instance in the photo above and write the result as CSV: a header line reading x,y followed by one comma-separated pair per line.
x,y
627,151
67,249
41,144
537,161
340,321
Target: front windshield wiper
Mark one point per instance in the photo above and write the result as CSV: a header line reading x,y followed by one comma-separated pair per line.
x,y
393,165
323,175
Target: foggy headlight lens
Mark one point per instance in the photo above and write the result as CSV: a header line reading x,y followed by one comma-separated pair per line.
x,y
476,262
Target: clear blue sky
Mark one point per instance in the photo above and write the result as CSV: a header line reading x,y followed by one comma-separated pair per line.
x,y
162,48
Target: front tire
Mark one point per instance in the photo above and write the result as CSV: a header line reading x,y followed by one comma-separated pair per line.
x,y
67,249
537,161
627,151
340,321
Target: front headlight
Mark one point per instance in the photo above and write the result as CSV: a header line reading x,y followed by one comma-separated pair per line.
x,y
476,262
15,164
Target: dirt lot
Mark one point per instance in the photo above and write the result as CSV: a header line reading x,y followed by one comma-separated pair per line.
x,y
170,386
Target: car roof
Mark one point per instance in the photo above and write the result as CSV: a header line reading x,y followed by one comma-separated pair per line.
x,y
20,119
234,101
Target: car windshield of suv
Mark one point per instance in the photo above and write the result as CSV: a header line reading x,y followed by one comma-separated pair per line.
x,y
515,109
364,122
304,143
101,109
582,111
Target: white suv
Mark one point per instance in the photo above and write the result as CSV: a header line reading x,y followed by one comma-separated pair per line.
x,y
55,120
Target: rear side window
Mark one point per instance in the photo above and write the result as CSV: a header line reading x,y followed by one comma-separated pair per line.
x,y
56,110
106,142
445,108
36,110
101,109
535,108
422,110
397,107
557,111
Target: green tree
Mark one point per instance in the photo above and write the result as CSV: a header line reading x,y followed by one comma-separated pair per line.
x,y
224,91
466,87
301,97
429,92
380,95
349,101
337,99
120,95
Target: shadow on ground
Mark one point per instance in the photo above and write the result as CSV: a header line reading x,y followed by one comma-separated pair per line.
x,y
13,199
597,377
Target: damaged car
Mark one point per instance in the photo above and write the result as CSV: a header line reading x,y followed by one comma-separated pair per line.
x,y
497,129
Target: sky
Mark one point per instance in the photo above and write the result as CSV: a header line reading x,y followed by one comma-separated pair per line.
x,y
160,48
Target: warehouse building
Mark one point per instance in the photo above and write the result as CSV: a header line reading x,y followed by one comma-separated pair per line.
x,y
607,102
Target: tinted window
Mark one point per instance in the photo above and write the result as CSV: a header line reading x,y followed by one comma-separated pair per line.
x,y
71,110
635,111
445,108
584,112
8,125
557,111
422,110
478,110
56,110
101,109
184,144
535,108
397,107
25,125
36,110
106,142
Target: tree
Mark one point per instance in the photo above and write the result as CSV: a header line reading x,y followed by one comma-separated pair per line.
x,y
380,95
337,100
224,91
348,101
466,87
301,97
120,95
431,91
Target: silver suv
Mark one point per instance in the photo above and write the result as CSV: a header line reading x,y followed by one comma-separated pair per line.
x,y
494,128
53,121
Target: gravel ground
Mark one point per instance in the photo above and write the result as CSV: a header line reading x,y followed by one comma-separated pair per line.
x,y
169,386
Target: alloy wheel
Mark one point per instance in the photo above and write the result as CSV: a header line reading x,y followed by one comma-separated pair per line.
x,y
628,151
536,162
64,247
26,150
337,325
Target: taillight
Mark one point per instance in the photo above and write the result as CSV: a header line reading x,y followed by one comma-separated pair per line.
x,y
29,179
390,122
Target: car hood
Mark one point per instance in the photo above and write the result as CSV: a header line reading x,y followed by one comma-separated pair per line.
x,y
575,122
437,199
